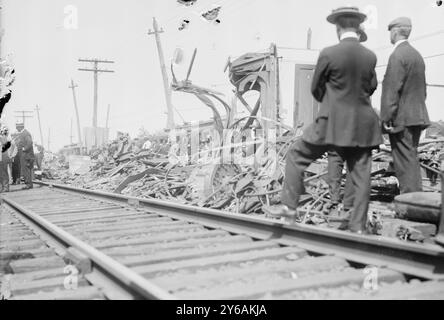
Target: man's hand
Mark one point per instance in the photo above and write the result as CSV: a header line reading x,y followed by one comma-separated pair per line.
x,y
388,127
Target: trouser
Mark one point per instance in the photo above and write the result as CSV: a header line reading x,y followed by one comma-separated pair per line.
x,y
405,159
302,154
27,171
335,169
4,176
39,159
16,170
440,235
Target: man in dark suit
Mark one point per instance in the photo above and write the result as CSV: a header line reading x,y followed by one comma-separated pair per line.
x,y
344,80
440,235
403,109
336,167
26,152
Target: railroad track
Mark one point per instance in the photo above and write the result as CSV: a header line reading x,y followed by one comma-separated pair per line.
x,y
129,248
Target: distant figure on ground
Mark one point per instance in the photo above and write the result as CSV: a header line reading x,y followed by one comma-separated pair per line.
x,y
147,145
39,156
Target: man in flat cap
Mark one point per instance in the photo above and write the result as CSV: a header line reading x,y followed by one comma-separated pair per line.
x,y
344,81
403,109
26,153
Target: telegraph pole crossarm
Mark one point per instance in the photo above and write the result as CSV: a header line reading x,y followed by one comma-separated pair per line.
x,y
24,115
96,72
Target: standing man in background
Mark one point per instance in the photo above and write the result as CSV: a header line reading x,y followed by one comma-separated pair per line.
x,y
26,151
403,110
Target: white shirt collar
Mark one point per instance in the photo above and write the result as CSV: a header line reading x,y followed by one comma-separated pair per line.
x,y
398,43
349,34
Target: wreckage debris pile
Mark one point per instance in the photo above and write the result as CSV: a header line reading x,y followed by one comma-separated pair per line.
x,y
149,174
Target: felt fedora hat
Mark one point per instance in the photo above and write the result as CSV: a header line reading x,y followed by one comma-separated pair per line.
x,y
346,11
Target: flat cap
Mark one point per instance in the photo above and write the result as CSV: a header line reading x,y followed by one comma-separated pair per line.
x,y
400,22
346,11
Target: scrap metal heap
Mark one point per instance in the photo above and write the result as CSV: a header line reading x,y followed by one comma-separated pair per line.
x,y
245,187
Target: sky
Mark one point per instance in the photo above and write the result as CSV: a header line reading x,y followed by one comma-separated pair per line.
x,y
45,39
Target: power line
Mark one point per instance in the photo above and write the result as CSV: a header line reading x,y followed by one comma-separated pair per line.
x,y
436,85
425,58
24,115
434,56
425,36
298,49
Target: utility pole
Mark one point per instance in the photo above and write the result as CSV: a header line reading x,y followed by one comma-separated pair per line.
x,y
70,136
40,124
309,35
107,117
96,72
166,85
79,133
24,115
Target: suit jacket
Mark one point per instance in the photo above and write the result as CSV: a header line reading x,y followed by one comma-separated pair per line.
x,y
25,147
404,89
344,80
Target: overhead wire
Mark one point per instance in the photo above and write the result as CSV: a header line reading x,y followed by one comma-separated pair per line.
x,y
425,58
421,37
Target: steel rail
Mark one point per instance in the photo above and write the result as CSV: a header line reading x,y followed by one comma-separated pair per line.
x,y
132,282
419,260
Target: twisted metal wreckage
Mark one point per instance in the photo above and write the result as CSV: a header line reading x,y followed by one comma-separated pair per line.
x,y
245,187
229,185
